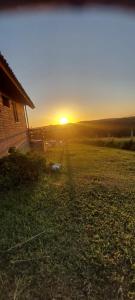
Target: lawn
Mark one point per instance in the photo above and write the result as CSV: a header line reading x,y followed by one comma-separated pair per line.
x,y
86,217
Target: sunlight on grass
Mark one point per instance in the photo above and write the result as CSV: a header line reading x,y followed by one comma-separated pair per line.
x,y
87,213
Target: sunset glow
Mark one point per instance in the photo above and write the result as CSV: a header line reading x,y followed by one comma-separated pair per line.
x,y
63,120
88,75
64,116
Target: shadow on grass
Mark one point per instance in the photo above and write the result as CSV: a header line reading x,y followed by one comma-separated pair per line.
x,y
74,206
71,183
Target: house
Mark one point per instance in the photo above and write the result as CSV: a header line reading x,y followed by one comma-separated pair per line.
x,y
13,114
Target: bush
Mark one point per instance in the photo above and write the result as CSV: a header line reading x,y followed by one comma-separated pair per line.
x,y
18,168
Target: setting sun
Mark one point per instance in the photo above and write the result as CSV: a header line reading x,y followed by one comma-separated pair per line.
x,y
63,120
63,116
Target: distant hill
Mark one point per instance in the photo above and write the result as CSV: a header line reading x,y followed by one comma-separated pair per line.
x,y
112,126
117,127
112,121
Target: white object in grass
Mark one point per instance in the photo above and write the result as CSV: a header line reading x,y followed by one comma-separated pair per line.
x,y
56,167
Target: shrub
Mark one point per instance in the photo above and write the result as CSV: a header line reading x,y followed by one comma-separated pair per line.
x,y
18,168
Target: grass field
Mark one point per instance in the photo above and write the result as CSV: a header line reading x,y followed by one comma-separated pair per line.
x,y
87,216
125,143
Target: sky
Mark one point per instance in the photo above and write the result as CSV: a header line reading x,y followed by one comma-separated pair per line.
x,y
74,63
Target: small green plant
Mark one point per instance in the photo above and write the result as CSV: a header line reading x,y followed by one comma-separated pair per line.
x,y
18,168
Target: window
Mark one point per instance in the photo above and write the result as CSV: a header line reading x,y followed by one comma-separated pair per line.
x,y
15,112
5,101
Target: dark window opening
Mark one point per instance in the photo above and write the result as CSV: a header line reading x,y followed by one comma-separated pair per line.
x,y
15,112
5,101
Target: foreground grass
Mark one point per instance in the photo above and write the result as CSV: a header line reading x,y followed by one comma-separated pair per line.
x,y
87,214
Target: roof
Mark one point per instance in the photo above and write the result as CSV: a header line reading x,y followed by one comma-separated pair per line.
x,y
11,76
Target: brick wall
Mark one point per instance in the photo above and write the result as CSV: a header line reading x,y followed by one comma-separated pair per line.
x,y
12,133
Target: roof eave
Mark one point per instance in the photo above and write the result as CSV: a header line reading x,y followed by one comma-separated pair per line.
x,y
29,103
5,67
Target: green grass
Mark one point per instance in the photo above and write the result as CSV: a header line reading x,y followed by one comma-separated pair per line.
x,y
87,213
125,143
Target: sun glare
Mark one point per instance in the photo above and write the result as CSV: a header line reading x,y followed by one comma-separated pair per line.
x,y
63,120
